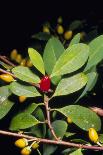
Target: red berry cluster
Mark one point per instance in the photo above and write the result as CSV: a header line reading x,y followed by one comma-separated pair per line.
x,y
45,84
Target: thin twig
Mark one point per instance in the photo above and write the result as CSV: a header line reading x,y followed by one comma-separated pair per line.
x,y
97,110
46,100
42,140
7,61
7,72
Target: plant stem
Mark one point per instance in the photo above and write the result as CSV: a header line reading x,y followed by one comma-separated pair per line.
x,y
47,141
7,72
7,61
46,101
97,110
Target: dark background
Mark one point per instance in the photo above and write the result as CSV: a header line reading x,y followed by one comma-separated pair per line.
x,y
18,21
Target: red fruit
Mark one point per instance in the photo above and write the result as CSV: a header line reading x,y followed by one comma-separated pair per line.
x,y
45,84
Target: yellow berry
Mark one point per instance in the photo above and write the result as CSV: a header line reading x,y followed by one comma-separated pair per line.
x,y
22,98
21,143
23,62
68,35
6,77
60,20
93,136
18,58
60,29
26,150
29,63
69,120
46,29
13,54
35,145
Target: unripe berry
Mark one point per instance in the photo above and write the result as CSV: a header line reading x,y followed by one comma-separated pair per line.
x,y
23,62
21,143
35,146
60,20
45,84
69,120
18,58
13,54
29,63
26,150
68,35
93,136
22,98
46,29
6,77
60,29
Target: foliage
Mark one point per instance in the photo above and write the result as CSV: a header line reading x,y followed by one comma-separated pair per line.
x,y
70,72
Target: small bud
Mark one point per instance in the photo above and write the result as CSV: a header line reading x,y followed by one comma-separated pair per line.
x,y
93,136
29,63
35,146
26,150
18,58
46,29
23,62
60,29
21,143
68,35
60,20
22,98
13,54
69,120
6,77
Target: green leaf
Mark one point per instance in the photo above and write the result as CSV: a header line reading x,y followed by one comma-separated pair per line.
x,y
36,59
75,40
43,36
96,52
91,80
52,52
60,128
82,117
70,85
23,90
25,74
77,152
5,107
31,108
75,25
5,65
71,60
40,129
23,121
69,134
4,93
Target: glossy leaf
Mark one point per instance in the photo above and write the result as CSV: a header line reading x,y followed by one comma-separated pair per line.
x,y
23,90
43,36
40,129
31,108
91,80
77,152
76,24
25,74
75,40
4,93
96,52
5,65
5,107
36,60
101,138
60,128
71,60
23,121
70,85
52,52
82,117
